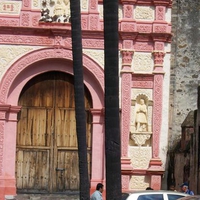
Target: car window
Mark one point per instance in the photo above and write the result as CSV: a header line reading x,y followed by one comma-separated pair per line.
x,y
174,196
150,197
124,196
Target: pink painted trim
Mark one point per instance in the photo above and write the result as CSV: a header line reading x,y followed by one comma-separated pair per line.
x,y
22,71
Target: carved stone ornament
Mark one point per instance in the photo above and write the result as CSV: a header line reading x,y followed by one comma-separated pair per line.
x,y
55,11
141,138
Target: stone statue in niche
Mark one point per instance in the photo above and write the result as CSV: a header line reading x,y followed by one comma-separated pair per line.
x,y
55,11
141,117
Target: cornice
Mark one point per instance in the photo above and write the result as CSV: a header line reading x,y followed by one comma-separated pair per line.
x,y
167,3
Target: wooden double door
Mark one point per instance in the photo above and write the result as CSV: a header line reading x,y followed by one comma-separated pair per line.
x,y
47,152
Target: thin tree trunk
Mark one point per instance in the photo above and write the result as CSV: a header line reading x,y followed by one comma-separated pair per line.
x,y
112,123
79,98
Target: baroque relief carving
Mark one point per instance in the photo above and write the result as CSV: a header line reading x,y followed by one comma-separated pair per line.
x,y
157,113
140,157
42,54
10,54
142,82
10,7
141,117
158,57
127,56
144,13
55,11
128,11
142,62
84,5
160,12
36,4
97,55
126,104
144,28
143,46
139,182
25,19
20,39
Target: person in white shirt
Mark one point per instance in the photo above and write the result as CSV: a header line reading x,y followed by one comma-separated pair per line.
x,y
97,195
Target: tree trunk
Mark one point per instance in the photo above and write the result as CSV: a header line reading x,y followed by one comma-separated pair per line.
x,y
79,98
112,123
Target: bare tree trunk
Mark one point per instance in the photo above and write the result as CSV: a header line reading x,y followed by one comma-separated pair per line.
x,y
112,123
79,98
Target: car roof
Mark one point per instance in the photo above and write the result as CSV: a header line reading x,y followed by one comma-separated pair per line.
x,y
195,197
156,192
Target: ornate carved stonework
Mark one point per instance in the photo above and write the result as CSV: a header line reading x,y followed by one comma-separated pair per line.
x,y
157,113
10,7
41,55
140,157
158,57
144,13
145,92
97,55
21,39
128,11
126,57
159,28
142,82
139,182
35,4
10,53
128,26
84,5
144,28
55,11
159,46
142,62
140,138
160,13
143,46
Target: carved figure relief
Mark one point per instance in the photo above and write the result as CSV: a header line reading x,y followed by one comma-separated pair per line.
x,y
55,11
141,116
141,121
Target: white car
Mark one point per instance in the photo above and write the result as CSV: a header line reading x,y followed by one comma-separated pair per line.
x,y
155,195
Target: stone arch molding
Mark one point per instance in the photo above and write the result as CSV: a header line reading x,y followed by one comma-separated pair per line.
x,y
10,88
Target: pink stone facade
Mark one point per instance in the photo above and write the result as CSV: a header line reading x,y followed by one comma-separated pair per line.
x,y
144,32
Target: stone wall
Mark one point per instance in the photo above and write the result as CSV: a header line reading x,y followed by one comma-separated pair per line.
x,y
185,64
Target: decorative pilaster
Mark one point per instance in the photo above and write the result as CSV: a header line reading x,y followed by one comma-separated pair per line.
x,y
93,15
155,165
98,152
125,113
8,120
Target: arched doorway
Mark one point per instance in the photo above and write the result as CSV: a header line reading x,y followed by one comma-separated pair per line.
x,y
47,152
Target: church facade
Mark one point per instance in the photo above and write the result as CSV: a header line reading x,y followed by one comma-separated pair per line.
x,y
38,146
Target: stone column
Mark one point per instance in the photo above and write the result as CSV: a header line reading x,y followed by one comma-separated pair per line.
x,y
126,80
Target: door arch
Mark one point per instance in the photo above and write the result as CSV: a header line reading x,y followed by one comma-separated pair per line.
x,y
47,152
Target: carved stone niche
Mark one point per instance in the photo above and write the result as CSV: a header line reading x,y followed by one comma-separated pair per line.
x,y
141,127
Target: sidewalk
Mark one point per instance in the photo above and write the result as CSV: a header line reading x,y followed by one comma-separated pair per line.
x,y
47,197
